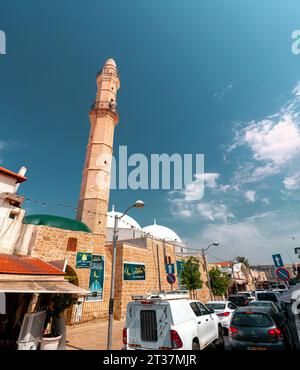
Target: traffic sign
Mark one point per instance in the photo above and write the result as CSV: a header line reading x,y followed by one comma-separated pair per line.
x,y
277,260
283,274
171,278
170,268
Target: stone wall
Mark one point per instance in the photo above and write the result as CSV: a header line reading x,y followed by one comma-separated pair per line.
x,y
50,244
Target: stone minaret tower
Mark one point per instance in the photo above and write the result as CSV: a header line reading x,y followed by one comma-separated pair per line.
x,y
94,194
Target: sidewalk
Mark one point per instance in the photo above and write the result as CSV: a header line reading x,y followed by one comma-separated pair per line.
x,y
94,336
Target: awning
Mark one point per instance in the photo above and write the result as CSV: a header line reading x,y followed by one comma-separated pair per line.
x,y
40,287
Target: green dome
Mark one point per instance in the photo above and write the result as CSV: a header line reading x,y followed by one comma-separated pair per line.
x,y
56,221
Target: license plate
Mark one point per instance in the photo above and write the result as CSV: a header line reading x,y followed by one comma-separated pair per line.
x,y
257,348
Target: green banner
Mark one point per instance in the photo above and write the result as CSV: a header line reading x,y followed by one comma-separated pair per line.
x,y
134,271
96,278
83,260
179,267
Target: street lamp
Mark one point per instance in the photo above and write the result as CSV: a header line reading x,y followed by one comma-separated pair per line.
x,y
137,204
206,270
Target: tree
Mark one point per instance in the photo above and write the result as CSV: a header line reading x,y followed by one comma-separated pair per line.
x,y
219,281
243,260
191,276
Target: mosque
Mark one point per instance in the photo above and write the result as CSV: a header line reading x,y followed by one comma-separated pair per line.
x,y
83,248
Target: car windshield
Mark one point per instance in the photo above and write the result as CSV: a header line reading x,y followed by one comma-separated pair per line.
x,y
216,306
267,297
257,320
260,303
236,299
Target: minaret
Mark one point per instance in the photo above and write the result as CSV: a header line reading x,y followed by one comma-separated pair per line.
x,y
94,194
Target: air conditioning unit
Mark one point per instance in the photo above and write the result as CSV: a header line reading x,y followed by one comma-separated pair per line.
x,y
31,330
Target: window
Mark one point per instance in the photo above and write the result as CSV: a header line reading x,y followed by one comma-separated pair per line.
x,y
232,306
148,325
203,309
217,306
12,215
72,245
251,319
196,309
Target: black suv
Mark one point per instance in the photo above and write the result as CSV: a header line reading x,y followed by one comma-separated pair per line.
x,y
239,300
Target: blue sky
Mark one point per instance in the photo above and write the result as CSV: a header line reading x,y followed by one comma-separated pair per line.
x,y
196,77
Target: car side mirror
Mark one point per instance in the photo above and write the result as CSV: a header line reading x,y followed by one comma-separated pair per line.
x,y
211,310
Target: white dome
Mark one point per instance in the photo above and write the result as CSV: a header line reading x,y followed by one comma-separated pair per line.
x,y
126,221
162,232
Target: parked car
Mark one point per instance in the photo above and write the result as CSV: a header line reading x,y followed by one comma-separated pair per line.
x,y
170,322
248,295
270,305
239,300
279,286
267,295
258,328
224,309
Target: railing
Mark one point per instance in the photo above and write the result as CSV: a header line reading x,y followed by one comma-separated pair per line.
x,y
110,106
106,70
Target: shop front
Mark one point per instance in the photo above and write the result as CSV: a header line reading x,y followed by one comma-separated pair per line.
x,y
33,297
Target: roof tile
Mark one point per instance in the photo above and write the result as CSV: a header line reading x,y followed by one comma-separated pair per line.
x,y
11,264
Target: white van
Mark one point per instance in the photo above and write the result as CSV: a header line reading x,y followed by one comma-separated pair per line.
x,y
169,321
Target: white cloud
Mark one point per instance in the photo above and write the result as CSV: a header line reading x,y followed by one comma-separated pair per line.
x,y
276,142
292,182
250,195
213,212
3,146
224,90
195,190
256,238
209,211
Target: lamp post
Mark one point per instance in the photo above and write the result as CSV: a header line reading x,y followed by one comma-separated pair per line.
x,y
137,204
206,269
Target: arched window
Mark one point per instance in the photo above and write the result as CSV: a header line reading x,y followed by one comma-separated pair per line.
x,y
72,245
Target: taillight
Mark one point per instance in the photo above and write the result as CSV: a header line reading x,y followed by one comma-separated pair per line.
x,y
224,314
125,336
176,340
276,332
232,330
147,302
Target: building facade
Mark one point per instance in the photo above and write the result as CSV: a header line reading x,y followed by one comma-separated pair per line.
x,y
83,248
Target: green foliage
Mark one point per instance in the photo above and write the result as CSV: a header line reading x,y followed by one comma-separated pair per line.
x,y
219,281
243,260
59,303
191,276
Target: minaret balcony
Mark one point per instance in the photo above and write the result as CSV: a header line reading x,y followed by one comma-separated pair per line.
x,y
105,105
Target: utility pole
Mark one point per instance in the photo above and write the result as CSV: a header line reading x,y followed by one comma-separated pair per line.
x,y
207,274
137,204
158,268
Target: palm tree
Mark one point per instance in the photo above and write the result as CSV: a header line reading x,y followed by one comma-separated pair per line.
x,y
243,260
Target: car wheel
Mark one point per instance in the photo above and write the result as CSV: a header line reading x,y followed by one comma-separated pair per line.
x,y
195,346
220,344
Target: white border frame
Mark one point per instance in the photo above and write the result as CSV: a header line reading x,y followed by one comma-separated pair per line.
x,y
98,300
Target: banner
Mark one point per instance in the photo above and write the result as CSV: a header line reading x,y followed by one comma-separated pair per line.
x,y
83,260
96,278
179,268
134,271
